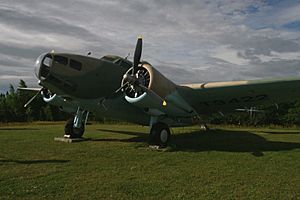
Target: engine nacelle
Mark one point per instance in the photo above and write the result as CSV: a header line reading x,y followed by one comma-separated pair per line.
x,y
159,84
60,102
154,93
146,77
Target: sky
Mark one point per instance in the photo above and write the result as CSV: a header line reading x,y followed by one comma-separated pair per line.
x,y
189,41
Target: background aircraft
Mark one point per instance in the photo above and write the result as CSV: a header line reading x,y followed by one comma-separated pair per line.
x,y
117,88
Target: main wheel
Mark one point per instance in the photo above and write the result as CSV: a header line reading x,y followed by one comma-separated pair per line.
x,y
159,135
71,131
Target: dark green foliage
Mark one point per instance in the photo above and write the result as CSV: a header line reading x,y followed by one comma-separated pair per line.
x,y
284,114
12,107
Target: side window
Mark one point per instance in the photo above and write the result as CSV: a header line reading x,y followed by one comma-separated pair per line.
x,y
61,60
75,64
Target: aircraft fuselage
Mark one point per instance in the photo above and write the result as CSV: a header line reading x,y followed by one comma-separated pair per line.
x,y
81,76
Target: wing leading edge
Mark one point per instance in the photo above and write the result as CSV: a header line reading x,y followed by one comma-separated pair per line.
x,y
227,96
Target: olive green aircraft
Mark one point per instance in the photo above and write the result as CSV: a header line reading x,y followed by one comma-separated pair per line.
x,y
114,87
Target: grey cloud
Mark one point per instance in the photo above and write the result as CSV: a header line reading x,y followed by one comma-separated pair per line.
x,y
275,69
41,24
17,71
264,45
12,50
251,48
178,75
180,36
12,64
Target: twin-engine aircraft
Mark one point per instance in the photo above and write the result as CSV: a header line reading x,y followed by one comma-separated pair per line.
x,y
117,88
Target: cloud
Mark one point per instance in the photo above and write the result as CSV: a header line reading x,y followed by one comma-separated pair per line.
x,y
230,55
276,56
188,41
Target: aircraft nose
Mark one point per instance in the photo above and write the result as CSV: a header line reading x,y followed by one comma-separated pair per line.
x,y
37,65
42,65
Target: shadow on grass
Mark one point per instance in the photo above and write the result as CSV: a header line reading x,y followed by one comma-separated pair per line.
x,y
18,129
228,140
123,132
140,137
213,140
279,133
32,161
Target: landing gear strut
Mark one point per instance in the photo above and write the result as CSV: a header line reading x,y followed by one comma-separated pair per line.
x,y
75,126
159,134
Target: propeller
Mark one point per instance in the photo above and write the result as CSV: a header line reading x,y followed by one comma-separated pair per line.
x,y
130,79
44,91
137,55
135,83
32,98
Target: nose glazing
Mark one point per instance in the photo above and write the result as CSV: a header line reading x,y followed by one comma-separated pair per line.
x,y
42,65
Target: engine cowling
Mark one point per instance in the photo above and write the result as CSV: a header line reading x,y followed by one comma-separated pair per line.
x,y
147,77
153,92
60,102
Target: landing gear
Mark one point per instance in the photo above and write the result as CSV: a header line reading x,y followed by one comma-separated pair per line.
x,y
159,134
75,126
71,131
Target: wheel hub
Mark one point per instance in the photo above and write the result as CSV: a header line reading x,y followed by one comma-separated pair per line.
x,y
164,136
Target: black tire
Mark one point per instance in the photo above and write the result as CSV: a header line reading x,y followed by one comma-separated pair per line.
x,y
159,135
73,132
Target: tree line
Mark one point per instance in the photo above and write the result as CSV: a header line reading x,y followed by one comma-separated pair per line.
x,y
13,101
12,107
283,114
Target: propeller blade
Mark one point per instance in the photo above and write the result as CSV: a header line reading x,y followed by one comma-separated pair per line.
x,y
30,100
112,95
29,89
120,88
137,54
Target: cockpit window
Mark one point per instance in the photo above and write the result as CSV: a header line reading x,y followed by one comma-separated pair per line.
x,y
45,67
47,61
75,64
61,60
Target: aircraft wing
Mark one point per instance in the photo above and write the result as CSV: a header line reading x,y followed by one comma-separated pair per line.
x,y
228,96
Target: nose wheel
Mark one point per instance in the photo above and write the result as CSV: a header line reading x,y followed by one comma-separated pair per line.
x,y
75,126
159,134
71,131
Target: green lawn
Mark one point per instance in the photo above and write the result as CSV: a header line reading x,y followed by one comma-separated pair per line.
x,y
116,163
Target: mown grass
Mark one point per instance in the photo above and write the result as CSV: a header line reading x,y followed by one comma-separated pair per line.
x,y
116,163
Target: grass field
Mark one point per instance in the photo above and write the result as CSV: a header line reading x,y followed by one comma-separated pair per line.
x,y
116,163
